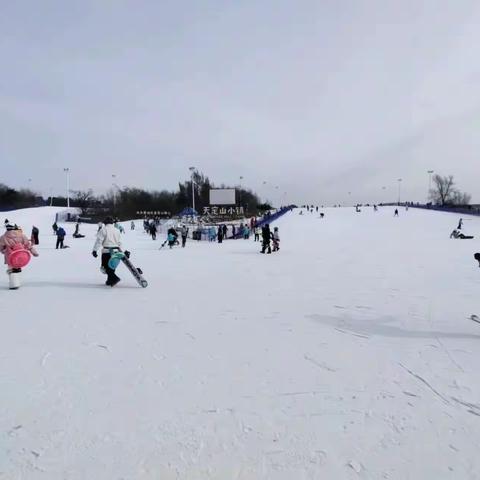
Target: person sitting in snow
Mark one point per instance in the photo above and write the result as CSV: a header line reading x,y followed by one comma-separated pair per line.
x,y
9,241
458,234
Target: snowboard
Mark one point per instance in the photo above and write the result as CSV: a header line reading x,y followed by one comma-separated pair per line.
x,y
136,272
475,318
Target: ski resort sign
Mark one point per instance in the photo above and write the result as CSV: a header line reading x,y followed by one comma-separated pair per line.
x,y
214,211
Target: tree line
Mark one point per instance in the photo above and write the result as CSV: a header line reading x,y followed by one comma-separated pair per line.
x,y
125,202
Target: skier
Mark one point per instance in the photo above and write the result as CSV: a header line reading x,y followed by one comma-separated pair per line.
x,y
13,243
108,239
34,238
266,237
276,240
60,238
184,233
460,224
246,233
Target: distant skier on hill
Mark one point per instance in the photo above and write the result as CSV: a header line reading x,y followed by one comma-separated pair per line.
x,y
109,240
34,237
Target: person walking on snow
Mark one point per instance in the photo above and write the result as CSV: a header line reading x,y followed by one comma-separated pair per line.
x,y
132,225
460,224
184,233
109,241
13,239
153,231
396,213
34,238
60,238
276,240
256,232
266,237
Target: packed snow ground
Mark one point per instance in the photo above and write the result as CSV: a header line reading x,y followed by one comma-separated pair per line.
x,y
348,355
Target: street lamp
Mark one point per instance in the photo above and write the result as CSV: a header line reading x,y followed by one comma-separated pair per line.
x,y
67,175
192,169
399,183
429,182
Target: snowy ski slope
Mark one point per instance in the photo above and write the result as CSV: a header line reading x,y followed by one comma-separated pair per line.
x,y
348,355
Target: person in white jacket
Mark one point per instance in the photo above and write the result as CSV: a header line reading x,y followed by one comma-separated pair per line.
x,y
109,240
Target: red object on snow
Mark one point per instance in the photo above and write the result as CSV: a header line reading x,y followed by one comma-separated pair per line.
x,y
19,257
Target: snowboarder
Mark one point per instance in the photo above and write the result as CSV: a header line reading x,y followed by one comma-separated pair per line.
x,y
55,228
246,233
184,233
60,238
16,248
34,237
276,240
266,237
460,224
108,239
459,234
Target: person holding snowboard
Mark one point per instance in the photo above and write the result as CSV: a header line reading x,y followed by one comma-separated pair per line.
x,y
60,238
34,236
55,228
108,239
12,240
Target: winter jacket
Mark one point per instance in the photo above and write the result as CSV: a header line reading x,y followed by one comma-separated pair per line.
x,y
184,231
107,237
61,232
13,237
276,236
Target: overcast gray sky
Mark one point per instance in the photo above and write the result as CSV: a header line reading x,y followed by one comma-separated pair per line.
x,y
320,98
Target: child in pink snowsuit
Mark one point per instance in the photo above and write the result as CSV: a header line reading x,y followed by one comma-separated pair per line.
x,y
14,236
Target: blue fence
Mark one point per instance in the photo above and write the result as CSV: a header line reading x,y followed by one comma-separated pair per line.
x,y
468,210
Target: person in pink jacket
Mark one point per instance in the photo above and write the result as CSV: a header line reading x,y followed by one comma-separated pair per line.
x,y
14,236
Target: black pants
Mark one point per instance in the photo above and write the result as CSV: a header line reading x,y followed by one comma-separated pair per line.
x,y
154,235
110,273
266,246
184,240
60,242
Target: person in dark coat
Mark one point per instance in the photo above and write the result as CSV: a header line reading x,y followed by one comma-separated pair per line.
x,y
153,230
220,234
34,237
224,231
60,238
55,228
266,237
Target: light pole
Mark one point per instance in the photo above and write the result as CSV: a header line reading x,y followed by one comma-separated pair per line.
x,y
429,183
192,169
67,174
240,191
399,183
114,194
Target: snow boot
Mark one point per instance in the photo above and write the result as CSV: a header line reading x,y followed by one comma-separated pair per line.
x,y
14,278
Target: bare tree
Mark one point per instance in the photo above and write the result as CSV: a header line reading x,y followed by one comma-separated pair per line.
x,y
444,192
83,199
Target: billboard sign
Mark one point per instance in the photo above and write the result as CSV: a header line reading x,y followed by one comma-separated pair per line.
x,y
222,196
